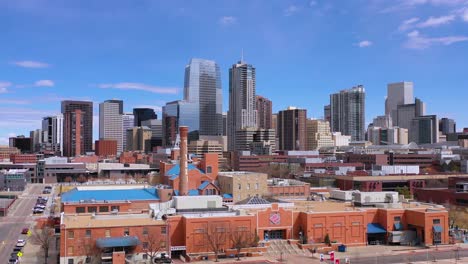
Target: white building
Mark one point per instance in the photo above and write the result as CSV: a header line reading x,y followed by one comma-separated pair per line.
x,y
340,140
110,122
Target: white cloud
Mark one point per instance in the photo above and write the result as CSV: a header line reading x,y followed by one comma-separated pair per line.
x,y
139,86
44,83
465,15
14,101
364,44
227,20
31,64
409,4
408,23
418,41
291,10
430,22
4,86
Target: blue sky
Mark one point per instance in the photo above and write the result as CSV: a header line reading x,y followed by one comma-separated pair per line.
x,y
303,51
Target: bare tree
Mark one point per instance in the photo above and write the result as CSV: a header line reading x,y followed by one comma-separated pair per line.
x,y
89,249
216,237
81,179
240,239
44,237
152,246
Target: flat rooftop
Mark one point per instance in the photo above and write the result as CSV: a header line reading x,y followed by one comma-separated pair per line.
x,y
90,221
84,194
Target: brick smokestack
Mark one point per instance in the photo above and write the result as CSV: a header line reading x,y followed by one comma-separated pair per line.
x,y
183,175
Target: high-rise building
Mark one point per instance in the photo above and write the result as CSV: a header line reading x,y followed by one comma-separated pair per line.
x,y
264,112
242,108
318,134
327,113
143,114
128,120
111,123
292,129
225,123
387,136
36,140
424,130
406,113
447,126
156,131
400,93
384,121
257,141
139,139
77,127
179,113
52,132
347,110
202,87
21,142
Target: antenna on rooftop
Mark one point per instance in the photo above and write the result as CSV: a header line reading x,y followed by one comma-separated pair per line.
x,y
242,55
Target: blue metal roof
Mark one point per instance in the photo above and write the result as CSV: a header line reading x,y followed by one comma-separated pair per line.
x,y
76,195
374,228
193,192
227,196
437,228
203,185
110,242
174,171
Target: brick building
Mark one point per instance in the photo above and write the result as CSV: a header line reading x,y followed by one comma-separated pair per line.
x,y
23,158
242,185
105,147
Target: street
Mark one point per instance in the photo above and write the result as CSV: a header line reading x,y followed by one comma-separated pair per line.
x,y
411,257
19,217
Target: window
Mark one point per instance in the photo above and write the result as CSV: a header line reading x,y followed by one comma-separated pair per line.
x,y
248,186
436,221
256,186
239,186
209,169
92,209
115,208
80,210
70,261
108,233
71,235
397,218
145,245
104,209
145,231
163,244
88,233
126,231
163,230
70,250
145,256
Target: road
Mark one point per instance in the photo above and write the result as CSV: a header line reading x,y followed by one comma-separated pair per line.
x,y
19,217
412,257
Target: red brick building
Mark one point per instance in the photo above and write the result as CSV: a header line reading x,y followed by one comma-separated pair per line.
x,y
105,147
23,158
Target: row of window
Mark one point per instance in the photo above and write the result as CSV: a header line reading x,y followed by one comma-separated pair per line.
x,y
126,232
94,209
248,186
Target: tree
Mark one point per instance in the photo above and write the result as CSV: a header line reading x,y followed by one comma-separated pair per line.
x,y
89,249
68,179
43,237
81,179
326,239
216,237
240,239
152,246
404,191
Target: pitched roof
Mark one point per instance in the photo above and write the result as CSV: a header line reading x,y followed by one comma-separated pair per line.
x,y
175,171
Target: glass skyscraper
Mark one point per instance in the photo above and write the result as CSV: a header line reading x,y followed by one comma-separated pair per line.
x,y
347,110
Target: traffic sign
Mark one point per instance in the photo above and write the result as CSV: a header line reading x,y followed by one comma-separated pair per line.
x,y
20,254
29,233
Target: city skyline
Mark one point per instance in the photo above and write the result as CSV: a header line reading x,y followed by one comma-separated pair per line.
x,y
411,43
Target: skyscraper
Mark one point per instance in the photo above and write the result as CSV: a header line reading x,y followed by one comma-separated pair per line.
x,y
202,87
242,108
111,123
77,127
347,110
292,129
447,126
264,112
400,93
127,122
424,130
52,131
143,114
318,134
406,113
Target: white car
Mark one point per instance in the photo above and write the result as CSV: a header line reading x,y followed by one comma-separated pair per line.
x,y
40,206
21,243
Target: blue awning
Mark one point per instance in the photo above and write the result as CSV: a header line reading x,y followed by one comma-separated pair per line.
x,y
374,228
437,228
227,196
398,226
110,242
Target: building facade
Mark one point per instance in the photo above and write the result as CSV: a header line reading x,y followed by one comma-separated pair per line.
x,y
400,93
348,112
77,127
106,147
143,114
242,185
139,139
424,130
264,112
318,134
52,131
292,129
111,122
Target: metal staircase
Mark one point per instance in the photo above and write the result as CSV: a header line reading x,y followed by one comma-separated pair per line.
x,y
282,249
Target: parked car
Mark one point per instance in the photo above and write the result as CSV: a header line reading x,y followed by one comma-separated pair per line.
x,y
13,260
25,231
38,211
40,206
17,249
20,243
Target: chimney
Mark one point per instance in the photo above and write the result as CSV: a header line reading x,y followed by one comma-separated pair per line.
x,y
183,175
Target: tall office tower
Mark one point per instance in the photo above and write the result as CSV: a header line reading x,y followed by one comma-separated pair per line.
x,y
384,121
156,131
111,122
292,129
139,139
143,114
424,130
36,139
274,123
447,126
327,113
406,113
318,134
264,112
387,136
202,87
242,109
77,127
179,113
128,120
20,142
400,93
347,110
225,124
52,132
257,141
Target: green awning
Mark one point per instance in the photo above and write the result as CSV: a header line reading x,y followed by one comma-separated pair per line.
x,y
111,242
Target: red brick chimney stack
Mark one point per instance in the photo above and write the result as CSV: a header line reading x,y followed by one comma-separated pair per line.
x,y
183,175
